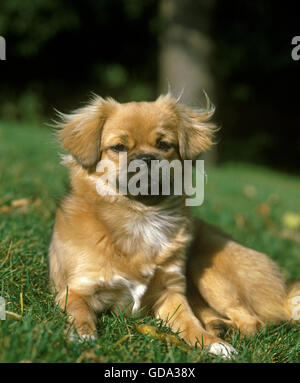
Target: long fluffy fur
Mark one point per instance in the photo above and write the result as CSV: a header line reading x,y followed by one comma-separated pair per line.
x,y
117,251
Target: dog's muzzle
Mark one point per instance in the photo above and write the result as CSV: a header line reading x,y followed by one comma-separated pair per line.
x,y
143,182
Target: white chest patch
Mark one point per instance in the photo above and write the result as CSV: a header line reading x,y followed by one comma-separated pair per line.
x,y
156,228
116,291
136,289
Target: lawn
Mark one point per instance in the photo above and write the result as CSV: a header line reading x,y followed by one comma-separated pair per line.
x,y
258,207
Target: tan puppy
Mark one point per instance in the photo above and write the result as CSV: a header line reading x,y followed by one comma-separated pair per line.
x,y
147,251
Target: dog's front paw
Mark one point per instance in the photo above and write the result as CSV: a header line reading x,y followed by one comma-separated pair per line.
x,y
224,350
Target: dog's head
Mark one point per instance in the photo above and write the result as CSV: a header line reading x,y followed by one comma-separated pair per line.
x,y
145,131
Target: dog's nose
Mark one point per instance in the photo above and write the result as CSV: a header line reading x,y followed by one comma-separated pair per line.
x,y
146,157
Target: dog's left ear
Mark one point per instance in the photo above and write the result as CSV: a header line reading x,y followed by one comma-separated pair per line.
x,y
80,131
195,132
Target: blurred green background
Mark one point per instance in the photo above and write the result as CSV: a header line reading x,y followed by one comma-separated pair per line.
x,y
58,52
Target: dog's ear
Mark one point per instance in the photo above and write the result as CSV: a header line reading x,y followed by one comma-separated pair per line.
x,y
195,132
80,131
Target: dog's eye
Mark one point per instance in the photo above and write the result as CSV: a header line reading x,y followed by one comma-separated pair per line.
x,y
119,148
163,145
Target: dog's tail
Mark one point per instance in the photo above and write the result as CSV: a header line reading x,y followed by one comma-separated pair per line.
x,y
292,302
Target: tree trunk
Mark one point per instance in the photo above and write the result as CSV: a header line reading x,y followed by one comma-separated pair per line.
x,y
186,50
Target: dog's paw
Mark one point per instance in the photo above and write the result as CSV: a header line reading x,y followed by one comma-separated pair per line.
x,y
226,351
217,327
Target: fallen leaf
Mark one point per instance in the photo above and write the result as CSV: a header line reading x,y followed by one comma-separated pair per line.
x,y
250,191
147,330
5,209
263,209
23,202
168,338
291,220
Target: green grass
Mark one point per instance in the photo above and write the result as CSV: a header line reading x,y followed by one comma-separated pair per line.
x,y
29,168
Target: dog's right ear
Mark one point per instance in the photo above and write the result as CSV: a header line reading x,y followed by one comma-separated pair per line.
x,y
195,132
80,131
